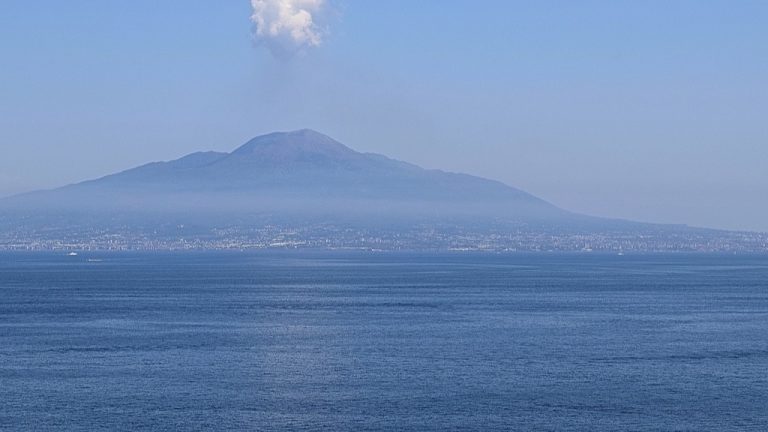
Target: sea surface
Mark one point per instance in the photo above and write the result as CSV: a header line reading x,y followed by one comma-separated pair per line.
x,y
383,342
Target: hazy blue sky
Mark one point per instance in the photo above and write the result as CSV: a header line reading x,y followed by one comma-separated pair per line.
x,y
649,110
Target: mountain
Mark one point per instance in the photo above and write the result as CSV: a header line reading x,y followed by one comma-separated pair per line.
x,y
303,188
301,171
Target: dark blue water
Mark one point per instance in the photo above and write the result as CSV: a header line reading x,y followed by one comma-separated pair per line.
x,y
383,342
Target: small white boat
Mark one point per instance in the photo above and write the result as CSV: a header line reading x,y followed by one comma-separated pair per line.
x,y
72,254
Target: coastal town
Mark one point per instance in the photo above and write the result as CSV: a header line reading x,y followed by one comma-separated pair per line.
x,y
426,238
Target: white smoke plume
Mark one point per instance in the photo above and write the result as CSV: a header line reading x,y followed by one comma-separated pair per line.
x,y
287,26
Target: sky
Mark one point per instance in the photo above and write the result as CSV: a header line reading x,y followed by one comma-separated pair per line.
x,y
647,110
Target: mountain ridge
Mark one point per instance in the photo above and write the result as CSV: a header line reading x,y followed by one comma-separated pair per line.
x,y
306,162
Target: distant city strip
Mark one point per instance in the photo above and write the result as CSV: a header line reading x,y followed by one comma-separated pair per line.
x,y
423,238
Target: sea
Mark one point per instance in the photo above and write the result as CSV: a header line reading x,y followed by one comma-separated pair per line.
x,y
364,341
